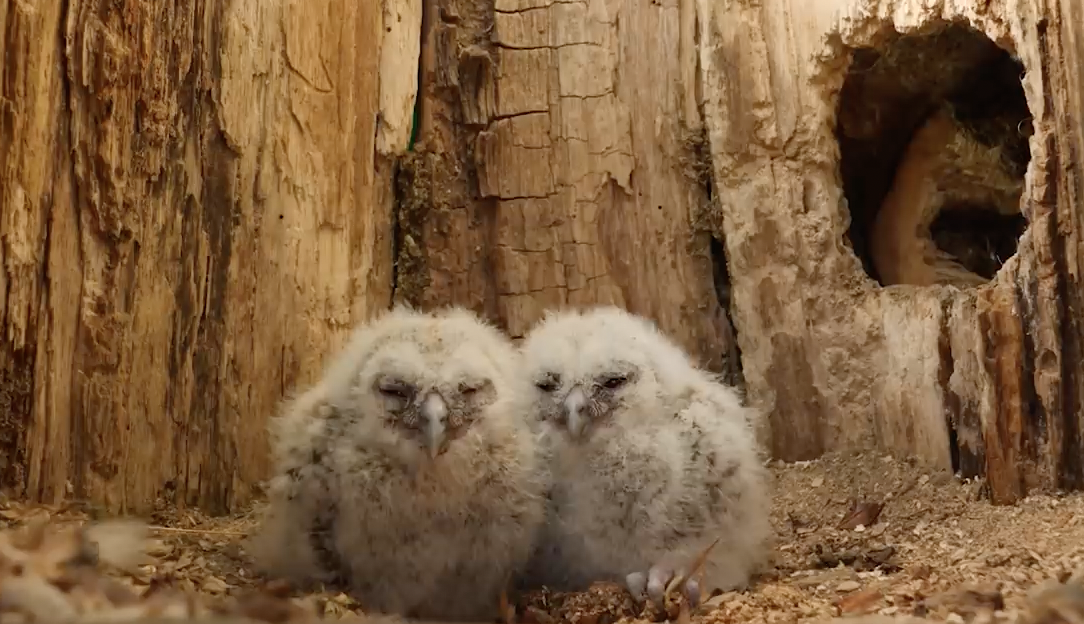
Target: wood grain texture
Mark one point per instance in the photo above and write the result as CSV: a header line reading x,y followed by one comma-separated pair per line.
x,y
557,140
194,207
987,378
198,198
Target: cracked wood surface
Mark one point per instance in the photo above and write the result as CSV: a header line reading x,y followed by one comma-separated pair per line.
x,y
194,204
839,362
196,200
556,131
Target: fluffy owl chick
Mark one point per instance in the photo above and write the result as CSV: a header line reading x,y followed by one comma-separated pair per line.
x,y
652,459
408,472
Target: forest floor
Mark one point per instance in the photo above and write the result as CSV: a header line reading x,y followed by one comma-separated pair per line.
x,y
855,534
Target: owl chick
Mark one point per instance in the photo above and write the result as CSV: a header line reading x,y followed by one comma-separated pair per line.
x,y
652,460
408,473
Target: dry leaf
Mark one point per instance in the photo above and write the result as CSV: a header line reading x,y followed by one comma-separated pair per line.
x,y
35,597
861,514
214,585
717,601
1053,603
684,617
534,615
508,612
695,569
53,573
861,601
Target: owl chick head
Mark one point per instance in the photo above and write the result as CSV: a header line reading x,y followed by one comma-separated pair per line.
x,y
587,365
419,385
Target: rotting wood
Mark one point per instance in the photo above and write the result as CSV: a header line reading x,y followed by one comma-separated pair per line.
x,y
557,153
1061,50
985,379
941,169
229,181
195,202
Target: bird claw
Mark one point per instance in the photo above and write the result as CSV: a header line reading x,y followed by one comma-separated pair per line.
x,y
691,590
656,585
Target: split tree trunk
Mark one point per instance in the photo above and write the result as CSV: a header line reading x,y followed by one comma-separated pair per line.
x,y
553,174
197,202
987,378
559,165
195,198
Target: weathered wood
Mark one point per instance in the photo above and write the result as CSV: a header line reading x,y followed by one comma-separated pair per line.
x,y
558,167
195,199
986,378
929,176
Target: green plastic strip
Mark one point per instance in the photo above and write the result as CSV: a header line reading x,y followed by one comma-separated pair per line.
x,y
414,121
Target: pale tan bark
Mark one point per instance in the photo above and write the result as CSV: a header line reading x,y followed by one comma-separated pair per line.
x,y
560,135
194,208
901,247
838,361
197,203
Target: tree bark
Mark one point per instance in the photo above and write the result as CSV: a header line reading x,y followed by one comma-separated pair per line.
x,y
199,200
559,167
983,379
195,199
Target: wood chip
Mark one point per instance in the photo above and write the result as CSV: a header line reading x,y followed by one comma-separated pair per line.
x,y
931,551
861,601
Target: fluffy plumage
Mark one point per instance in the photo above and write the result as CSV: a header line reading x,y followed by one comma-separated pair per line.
x,y
408,472
652,459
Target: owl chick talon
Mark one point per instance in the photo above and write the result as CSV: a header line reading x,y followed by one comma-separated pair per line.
x,y
692,593
637,584
663,581
658,577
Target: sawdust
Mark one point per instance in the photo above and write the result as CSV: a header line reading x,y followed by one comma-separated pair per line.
x,y
856,534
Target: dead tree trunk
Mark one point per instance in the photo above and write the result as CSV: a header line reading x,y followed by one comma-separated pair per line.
x,y
559,164
889,141
195,200
867,175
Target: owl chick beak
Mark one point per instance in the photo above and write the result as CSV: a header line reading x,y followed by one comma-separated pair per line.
x,y
434,411
573,411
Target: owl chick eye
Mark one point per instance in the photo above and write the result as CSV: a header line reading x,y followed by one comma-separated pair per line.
x,y
548,383
614,381
395,389
470,389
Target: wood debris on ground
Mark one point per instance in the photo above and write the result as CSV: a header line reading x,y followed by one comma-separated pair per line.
x,y
866,538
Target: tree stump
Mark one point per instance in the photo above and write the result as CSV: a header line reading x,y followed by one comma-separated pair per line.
x,y
198,200
833,182
195,198
560,163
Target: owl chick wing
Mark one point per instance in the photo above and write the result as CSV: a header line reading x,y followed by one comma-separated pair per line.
x,y
290,541
618,504
725,489
650,502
